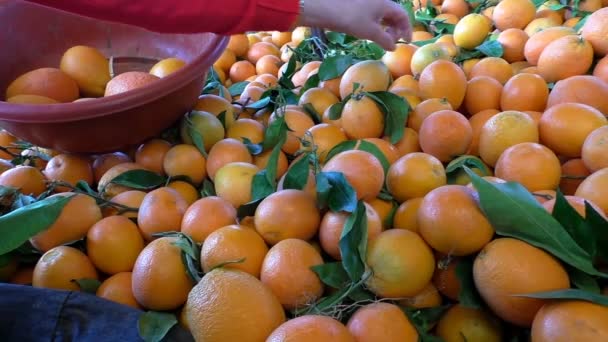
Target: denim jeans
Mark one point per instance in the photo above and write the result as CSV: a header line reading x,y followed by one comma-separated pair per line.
x,y
35,314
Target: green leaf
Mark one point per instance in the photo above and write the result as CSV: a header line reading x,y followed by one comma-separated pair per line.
x,y
599,226
87,285
376,152
583,281
254,149
273,160
455,167
226,263
341,147
211,86
312,112
514,212
196,136
569,294
260,187
31,220
237,89
297,174
85,187
248,209
335,189
259,104
424,319
335,110
139,179
334,66
421,43
311,82
491,48
153,326
574,224
396,111
275,133
353,243
581,23
468,295
208,188
222,117
332,274
285,79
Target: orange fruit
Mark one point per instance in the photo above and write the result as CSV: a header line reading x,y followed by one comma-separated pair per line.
x,y
48,82
167,66
262,159
233,182
127,81
538,41
286,270
61,267
427,54
215,105
513,14
585,89
468,65
565,57
424,109
362,118
130,199
324,137
361,169
573,173
88,67
405,81
508,267
225,61
384,209
241,70
399,60
524,92
482,92
429,297
459,8
246,128
389,151
28,179
409,142
477,121
332,226
565,126
595,149
31,99
258,50
117,288
595,30
187,191
401,262
104,162
601,69
319,98
494,67
109,189
287,214
570,320
513,41
298,123
151,154
504,130
406,215
185,160
234,243
371,75
113,244
532,165
592,189
445,135
445,278
207,215
78,215
443,79
414,175
381,322
226,296
69,168
311,328
160,281
471,31
461,322
443,226
239,44
161,211
280,38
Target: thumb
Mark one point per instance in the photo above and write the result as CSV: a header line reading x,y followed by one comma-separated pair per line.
x,y
383,38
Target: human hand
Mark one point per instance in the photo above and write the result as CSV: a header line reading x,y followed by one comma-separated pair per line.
x,y
381,21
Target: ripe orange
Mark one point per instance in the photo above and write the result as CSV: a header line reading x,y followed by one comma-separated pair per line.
x,y
117,288
216,105
161,211
69,168
477,121
471,31
246,128
565,126
31,99
104,162
105,185
187,191
113,244
414,175
298,123
234,243
461,322
427,54
325,137
361,169
570,320
443,79
79,214
258,50
60,267
585,89
166,67
401,262
565,57
595,149
399,61
311,328
506,267
241,70
389,150
319,98
482,93
429,297
225,60
131,199
371,75
531,164
494,67
88,67
227,296
381,322
160,281
406,215
287,214
286,270
409,142
524,92
151,154
538,41
128,81
185,160
262,159
513,41
207,215
445,278
28,179
424,109
362,118
573,172
48,82
592,189
595,31
513,14
449,213
239,44
445,135
233,182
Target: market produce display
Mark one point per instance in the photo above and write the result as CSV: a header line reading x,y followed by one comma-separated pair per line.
x,y
322,189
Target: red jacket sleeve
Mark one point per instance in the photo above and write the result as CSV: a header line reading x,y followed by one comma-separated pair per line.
x,y
188,16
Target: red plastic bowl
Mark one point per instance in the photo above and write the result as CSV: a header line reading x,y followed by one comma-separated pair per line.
x,y
33,36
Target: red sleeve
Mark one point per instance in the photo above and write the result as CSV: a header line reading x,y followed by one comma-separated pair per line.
x,y
188,16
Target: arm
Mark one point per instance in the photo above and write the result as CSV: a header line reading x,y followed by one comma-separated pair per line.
x,y
188,16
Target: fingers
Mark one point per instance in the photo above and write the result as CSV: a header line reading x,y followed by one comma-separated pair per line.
x,y
398,21
383,38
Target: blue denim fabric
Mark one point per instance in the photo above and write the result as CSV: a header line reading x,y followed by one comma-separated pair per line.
x,y
34,314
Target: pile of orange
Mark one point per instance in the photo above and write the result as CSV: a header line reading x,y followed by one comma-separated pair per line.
x,y
84,73
535,116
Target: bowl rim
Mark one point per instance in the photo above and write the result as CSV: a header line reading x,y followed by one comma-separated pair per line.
x,y
103,106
